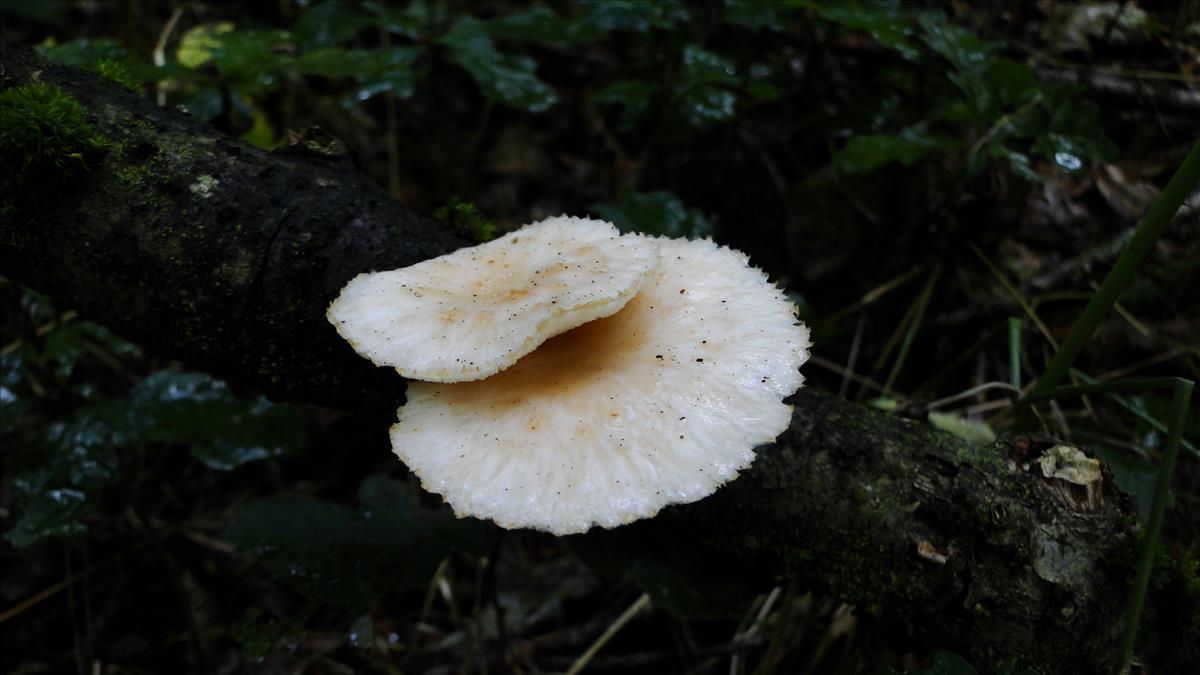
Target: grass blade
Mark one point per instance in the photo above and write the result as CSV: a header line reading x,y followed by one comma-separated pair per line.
x,y
1182,398
922,304
1014,352
1118,278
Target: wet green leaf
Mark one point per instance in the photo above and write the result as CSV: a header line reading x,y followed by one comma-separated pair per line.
x,y
543,25
223,431
53,490
377,70
507,78
328,23
704,67
407,20
658,212
633,15
198,43
1013,84
56,352
362,632
66,342
259,638
633,96
420,15
760,14
884,20
871,151
249,60
12,400
965,50
703,107
1069,153
704,95
62,346
758,83
356,63
55,487
1074,134
38,306
1018,162
109,340
349,558
970,56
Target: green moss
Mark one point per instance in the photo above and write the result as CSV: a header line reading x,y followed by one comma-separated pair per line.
x,y
133,176
797,558
467,217
116,72
44,133
981,455
854,573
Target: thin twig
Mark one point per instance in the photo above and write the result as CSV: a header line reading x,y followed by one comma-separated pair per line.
x,y
1134,367
837,368
910,335
41,595
160,51
876,293
852,360
971,392
581,662
40,331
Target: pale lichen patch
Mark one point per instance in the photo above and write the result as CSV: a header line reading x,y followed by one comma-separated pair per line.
x,y
204,186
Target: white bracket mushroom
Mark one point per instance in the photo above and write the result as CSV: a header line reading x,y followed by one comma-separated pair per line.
x,y
661,402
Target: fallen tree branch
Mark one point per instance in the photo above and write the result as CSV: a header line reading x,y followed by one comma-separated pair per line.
x,y
226,257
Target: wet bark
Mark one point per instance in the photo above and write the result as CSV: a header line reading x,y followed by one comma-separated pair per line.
x,y
223,256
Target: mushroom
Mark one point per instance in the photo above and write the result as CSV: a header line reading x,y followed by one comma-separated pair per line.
x,y
472,313
659,403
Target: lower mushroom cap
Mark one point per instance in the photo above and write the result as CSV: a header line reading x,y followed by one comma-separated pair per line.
x,y
659,403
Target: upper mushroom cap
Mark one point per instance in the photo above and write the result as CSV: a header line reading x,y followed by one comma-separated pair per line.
x,y
660,403
474,312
